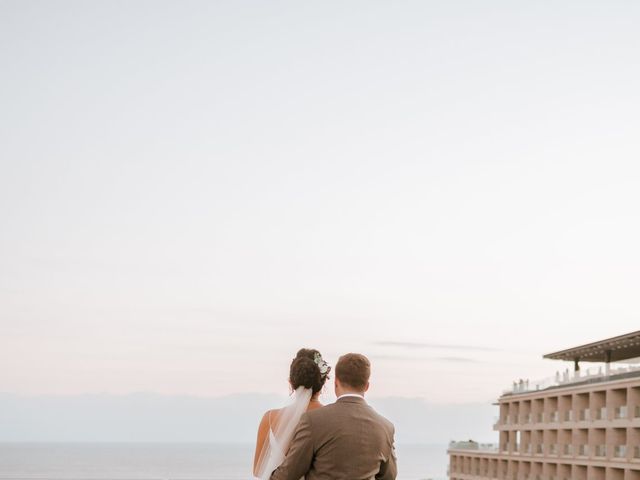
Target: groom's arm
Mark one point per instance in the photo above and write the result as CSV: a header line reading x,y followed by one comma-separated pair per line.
x,y
300,455
389,469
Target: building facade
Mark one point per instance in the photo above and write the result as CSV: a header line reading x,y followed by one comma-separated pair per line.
x,y
578,426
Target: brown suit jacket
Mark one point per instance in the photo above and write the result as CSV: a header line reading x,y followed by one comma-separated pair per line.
x,y
346,440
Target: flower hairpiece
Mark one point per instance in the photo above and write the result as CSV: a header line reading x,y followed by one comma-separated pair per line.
x,y
322,365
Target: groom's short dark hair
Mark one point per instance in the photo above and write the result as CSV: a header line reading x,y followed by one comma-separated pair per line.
x,y
354,370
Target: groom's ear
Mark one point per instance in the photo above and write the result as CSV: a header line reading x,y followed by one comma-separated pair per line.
x,y
366,387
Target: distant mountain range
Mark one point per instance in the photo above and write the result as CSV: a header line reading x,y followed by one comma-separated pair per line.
x,y
148,417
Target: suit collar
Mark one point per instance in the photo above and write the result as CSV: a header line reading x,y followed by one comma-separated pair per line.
x,y
351,399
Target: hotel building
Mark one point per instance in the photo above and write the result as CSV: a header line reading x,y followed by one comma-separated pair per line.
x,y
579,425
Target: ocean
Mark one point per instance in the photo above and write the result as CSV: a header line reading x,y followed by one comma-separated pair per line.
x,y
168,461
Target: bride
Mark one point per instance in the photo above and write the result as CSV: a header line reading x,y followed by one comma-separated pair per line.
x,y
307,375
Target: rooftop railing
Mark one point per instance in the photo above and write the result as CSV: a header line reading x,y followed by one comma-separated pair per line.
x,y
471,445
569,378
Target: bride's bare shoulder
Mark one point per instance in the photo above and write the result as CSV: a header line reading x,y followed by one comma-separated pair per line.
x,y
270,417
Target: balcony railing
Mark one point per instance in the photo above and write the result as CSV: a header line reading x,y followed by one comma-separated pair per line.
x,y
568,378
601,413
481,447
583,450
553,417
636,452
567,449
585,415
620,451
600,451
620,412
568,416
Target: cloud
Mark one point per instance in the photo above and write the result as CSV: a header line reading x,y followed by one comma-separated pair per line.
x,y
435,359
457,359
433,346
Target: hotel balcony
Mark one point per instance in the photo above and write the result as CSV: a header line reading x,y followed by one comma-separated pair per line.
x,y
600,451
601,413
620,412
620,451
585,415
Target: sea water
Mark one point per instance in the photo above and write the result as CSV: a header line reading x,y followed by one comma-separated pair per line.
x,y
169,461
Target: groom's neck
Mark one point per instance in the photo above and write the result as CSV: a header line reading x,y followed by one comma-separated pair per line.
x,y
350,392
346,389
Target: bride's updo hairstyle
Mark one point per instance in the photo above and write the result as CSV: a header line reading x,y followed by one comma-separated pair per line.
x,y
308,370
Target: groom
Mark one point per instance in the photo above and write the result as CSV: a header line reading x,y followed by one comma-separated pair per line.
x,y
346,440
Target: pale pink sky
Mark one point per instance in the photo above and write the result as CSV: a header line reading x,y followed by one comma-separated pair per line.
x,y
191,191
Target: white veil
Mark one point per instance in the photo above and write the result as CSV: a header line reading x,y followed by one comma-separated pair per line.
x,y
280,434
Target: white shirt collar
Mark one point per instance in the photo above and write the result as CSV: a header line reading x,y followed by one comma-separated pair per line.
x,y
350,395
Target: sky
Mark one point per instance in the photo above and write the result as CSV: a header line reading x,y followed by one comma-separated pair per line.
x,y
191,191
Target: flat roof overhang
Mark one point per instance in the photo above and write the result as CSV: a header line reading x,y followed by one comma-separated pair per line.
x,y
615,349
